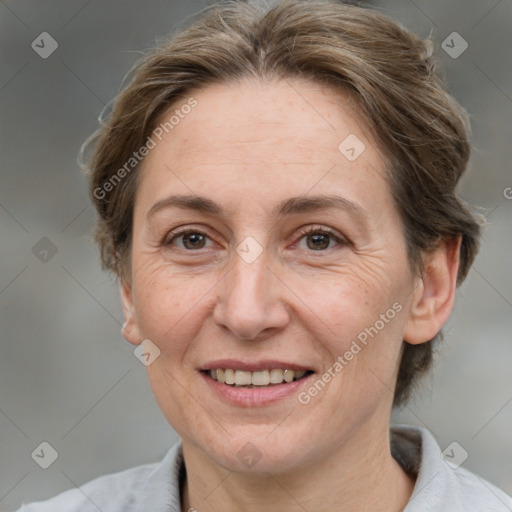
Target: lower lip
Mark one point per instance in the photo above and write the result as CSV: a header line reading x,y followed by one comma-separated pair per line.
x,y
254,397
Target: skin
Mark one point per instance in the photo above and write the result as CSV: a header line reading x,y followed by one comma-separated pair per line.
x,y
249,145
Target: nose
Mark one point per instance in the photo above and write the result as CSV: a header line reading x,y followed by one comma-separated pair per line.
x,y
251,300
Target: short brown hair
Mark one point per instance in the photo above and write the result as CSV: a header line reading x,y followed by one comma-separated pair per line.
x,y
390,74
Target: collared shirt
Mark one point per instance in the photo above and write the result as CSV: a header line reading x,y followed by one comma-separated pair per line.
x,y
441,483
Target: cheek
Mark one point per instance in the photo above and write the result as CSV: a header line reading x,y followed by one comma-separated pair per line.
x,y
168,307
348,300
358,317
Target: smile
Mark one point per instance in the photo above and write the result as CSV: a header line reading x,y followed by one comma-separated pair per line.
x,y
249,379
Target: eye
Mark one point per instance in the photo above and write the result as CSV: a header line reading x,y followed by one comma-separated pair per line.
x,y
317,239
320,238
191,239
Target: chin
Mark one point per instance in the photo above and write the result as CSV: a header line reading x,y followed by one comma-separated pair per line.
x,y
259,449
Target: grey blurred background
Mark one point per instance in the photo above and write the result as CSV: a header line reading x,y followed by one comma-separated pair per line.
x,y
67,377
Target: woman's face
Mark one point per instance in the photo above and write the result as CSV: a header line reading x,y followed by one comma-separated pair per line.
x,y
248,289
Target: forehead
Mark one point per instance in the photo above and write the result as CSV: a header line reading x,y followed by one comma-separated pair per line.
x,y
247,114
283,138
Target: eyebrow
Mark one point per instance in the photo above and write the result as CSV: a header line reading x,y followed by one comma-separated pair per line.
x,y
293,205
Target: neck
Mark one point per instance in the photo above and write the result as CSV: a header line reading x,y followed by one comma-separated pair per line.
x,y
360,475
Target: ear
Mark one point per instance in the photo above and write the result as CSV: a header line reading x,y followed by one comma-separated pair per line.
x,y
435,295
130,329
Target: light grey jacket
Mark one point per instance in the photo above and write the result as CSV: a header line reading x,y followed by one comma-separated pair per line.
x,y
441,485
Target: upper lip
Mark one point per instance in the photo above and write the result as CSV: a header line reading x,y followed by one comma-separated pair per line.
x,y
252,366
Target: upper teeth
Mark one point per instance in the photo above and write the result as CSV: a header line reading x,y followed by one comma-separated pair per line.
x,y
261,378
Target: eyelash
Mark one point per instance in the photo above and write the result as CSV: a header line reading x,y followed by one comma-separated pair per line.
x,y
324,230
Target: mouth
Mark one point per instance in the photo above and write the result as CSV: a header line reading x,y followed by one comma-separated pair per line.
x,y
260,379
245,383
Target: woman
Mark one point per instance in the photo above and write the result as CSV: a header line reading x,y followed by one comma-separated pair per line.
x,y
275,191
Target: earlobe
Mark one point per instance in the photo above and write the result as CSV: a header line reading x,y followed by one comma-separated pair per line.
x,y
434,296
130,329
